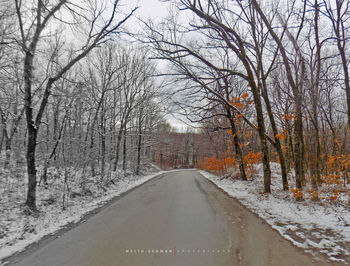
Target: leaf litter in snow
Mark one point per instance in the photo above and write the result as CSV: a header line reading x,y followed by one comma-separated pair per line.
x,y
314,226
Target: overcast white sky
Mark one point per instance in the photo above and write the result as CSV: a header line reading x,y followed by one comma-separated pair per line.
x,y
151,8
154,9
157,11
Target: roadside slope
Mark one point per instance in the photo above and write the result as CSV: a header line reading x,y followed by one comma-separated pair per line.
x,y
315,227
18,231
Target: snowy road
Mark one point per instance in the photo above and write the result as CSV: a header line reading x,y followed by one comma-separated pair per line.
x,y
178,218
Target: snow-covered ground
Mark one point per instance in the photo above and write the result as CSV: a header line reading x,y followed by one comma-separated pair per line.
x,y
18,230
315,226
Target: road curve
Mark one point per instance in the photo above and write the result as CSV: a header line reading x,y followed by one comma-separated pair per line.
x,y
178,218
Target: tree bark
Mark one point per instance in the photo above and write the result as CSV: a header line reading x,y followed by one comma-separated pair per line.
x,y
31,167
277,143
117,148
316,153
103,143
236,141
31,131
298,125
263,142
298,145
124,149
139,142
238,149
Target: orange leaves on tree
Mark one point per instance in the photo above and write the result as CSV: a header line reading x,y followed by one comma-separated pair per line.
x,y
202,164
288,116
217,165
230,161
337,167
230,132
338,163
212,164
249,160
238,105
252,158
281,136
335,195
237,101
331,179
248,134
238,119
336,192
297,193
336,141
314,194
331,160
244,96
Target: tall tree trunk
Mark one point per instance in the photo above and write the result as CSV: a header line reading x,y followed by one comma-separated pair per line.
x,y
124,149
8,135
262,133
340,32
277,143
7,152
138,162
117,148
31,167
103,143
298,145
262,76
238,47
7,139
238,149
289,148
298,125
1,142
32,131
235,137
91,150
316,153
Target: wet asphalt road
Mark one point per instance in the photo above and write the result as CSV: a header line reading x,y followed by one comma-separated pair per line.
x,y
179,218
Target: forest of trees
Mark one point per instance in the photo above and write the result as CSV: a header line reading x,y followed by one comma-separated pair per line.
x,y
265,80
73,92
272,75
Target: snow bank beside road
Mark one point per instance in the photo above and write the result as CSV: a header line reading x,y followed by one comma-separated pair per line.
x,y
309,225
19,230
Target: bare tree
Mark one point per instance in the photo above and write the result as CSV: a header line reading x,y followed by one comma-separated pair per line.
x,y
339,18
295,83
42,16
212,22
